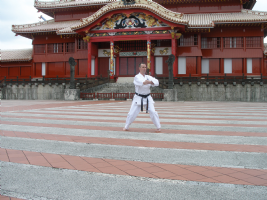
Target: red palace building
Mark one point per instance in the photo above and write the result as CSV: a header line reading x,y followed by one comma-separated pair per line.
x,y
214,37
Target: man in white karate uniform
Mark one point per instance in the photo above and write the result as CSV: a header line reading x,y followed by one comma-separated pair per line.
x,y
142,97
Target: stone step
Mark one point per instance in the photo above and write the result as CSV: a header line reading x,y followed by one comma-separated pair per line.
x,y
118,88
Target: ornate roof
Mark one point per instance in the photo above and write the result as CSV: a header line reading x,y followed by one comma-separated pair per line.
x,y
68,3
47,26
141,4
210,19
16,55
201,20
191,20
247,4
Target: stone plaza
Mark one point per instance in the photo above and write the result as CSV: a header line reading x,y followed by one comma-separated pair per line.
x,y
77,150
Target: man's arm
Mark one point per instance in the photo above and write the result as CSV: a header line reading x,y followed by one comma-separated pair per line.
x,y
148,82
138,81
154,81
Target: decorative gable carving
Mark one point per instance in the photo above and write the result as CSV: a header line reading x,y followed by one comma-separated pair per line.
x,y
135,20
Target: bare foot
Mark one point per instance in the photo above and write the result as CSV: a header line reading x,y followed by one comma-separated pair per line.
x,y
124,129
158,130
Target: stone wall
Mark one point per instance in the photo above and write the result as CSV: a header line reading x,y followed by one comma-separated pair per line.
x,y
34,92
220,92
185,92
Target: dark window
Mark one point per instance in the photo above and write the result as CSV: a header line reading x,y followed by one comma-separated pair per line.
x,y
233,42
82,44
163,43
188,40
104,45
210,43
253,42
69,47
39,48
55,48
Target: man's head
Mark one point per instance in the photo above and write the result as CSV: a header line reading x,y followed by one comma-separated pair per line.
x,y
142,68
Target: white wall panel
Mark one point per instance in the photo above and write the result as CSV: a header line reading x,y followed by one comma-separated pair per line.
x,y
159,65
228,66
181,65
205,66
93,66
43,69
249,65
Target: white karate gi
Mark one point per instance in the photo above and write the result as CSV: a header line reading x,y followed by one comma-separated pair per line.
x,y
140,88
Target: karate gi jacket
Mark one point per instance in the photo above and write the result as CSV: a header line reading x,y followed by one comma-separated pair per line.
x,y
140,88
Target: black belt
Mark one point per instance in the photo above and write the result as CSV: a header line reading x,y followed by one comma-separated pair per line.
x,y
143,96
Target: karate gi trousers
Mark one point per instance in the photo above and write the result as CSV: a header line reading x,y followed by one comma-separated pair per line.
x,y
134,111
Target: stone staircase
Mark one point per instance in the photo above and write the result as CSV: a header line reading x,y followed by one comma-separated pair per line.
x,y
118,88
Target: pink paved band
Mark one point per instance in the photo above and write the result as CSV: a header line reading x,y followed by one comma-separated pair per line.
x,y
139,169
139,143
172,131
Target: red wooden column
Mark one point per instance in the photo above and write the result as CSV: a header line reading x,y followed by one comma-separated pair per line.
x,y
111,68
33,69
152,70
262,65
245,66
117,72
199,65
199,57
89,60
222,66
174,52
96,66
148,53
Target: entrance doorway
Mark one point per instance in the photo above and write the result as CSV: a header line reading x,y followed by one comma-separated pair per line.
x,y
130,65
103,66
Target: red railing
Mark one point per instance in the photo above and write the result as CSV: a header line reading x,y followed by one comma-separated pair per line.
x,y
157,95
87,95
120,95
104,95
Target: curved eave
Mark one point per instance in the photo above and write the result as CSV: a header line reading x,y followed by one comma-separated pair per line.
x,y
66,7
16,60
45,27
33,32
240,22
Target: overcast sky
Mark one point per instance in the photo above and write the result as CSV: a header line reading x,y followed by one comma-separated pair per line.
x,y
16,12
